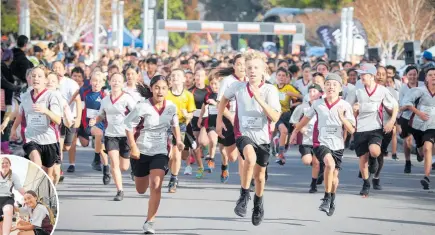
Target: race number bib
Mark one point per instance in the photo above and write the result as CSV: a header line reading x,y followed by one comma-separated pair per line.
x,y
115,119
282,96
368,107
428,109
157,140
37,120
331,132
212,110
91,113
252,122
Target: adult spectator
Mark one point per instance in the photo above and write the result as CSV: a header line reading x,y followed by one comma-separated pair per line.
x,y
20,63
427,62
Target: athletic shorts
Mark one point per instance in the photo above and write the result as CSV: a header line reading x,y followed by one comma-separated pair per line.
x,y
187,136
67,134
194,123
261,150
429,136
117,143
50,153
418,137
386,142
305,149
363,140
3,202
210,123
86,132
142,167
407,130
39,231
229,139
285,119
337,155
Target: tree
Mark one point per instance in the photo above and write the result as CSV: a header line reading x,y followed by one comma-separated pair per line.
x,y
175,12
9,20
230,10
323,4
389,23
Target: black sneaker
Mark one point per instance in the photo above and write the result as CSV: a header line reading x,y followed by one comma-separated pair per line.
x,y
376,184
132,175
252,187
119,196
331,209
407,169
352,146
373,165
394,157
313,188
71,168
420,158
365,190
425,183
242,204
106,175
172,186
326,205
257,213
96,166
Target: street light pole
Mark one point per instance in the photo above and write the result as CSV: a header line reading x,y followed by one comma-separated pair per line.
x,y
145,24
114,23
96,29
120,31
165,10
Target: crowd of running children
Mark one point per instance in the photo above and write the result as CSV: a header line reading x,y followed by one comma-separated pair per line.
x,y
245,105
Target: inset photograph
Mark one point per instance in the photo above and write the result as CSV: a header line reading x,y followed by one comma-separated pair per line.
x,y
29,202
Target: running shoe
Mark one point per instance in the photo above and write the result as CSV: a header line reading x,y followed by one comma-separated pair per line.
x,y
352,146
281,159
331,209
394,157
148,228
376,184
242,204
96,166
313,188
210,165
326,204
425,183
420,158
62,177
188,170
200,173
257,213
320,179
172,187
407,169
71,168
224,176
365,190
119,196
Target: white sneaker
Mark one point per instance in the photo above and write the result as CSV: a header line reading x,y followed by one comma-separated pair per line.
x,y
188,170
148,228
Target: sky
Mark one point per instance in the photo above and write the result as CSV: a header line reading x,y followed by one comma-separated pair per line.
x,y
19,166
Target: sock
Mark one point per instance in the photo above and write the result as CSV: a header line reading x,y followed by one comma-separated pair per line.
x,y
281,149
97,157
327,195
173,176
224,167
427,178
366,182
332,196
72,164
258,199
408,162
244,191
313,181
106,170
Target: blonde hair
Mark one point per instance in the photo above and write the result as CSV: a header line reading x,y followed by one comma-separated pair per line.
x,y
252,55
98,74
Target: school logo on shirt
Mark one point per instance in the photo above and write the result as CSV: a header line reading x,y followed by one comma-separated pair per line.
x,y
98,99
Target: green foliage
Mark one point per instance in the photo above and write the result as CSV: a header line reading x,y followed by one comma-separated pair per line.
x,y
134,21
175,12
324,4
9,18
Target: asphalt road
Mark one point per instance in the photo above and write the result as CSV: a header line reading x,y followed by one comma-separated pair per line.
x,y
206,206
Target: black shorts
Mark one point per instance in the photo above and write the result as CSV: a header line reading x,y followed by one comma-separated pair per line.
x,y
194,123
210,123
67,134
39,231
117,143
407,130
50,153
261,150
142,167
337,155
188,138
418,137
363,140
285,119
305,150
82,132
386,142
230,138
429,136
3,202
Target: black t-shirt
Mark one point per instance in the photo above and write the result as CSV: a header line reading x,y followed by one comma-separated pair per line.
x,y
199,96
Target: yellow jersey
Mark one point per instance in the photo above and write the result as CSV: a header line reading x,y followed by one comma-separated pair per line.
x,y
183,101
284,98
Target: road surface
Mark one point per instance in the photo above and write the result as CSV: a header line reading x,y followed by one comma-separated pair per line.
x,y
206,206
